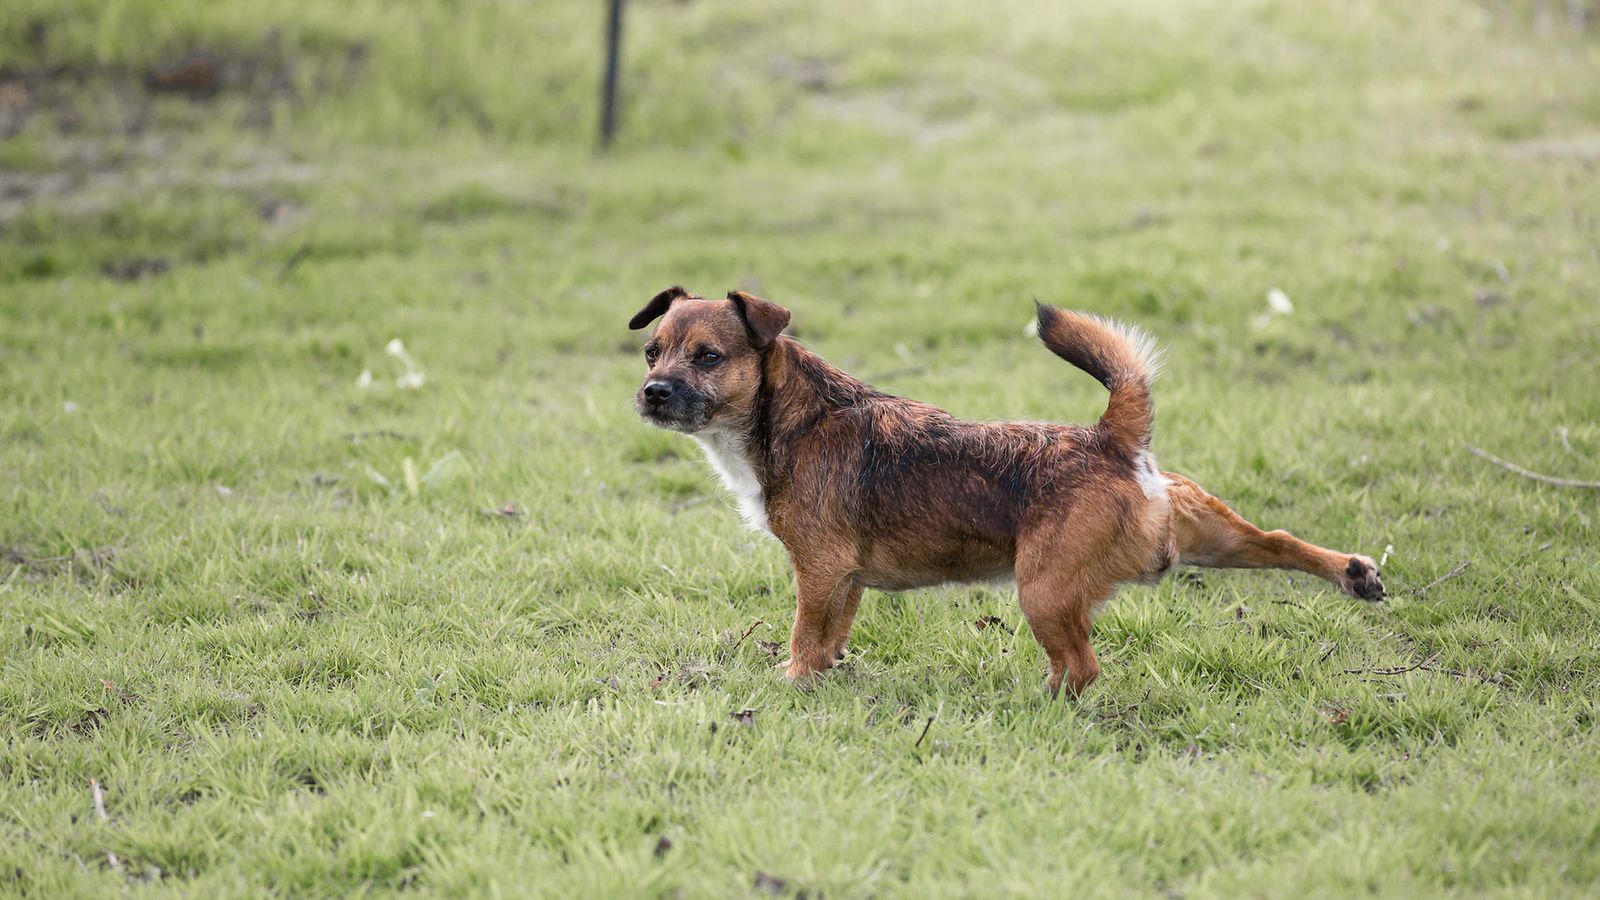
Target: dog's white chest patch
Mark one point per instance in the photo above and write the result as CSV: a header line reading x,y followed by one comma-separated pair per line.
x,y
1151,481
725,452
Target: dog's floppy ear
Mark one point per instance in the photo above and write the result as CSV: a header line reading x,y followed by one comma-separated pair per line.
x,y
764,319
657,307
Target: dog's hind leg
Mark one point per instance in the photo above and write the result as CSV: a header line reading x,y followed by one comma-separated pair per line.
x,y
1058,607
1060,583
1210,534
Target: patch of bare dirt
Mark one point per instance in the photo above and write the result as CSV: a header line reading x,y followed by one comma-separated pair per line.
x,y
90,108
264,72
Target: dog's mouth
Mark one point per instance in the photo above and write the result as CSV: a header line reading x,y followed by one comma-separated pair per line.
x,y
685,418
670,423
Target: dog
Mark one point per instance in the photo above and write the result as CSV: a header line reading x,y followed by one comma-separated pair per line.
x,y
868,490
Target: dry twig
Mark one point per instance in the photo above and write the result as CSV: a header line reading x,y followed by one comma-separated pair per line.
x,y
1464,565
1498,679
356,437
295,259
1529,473
1394,670
747,632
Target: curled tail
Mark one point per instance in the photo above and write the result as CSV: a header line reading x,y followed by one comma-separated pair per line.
x,y
1122,357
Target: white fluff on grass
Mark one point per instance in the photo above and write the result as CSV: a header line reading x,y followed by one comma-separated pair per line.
x,y
411,379
1278,304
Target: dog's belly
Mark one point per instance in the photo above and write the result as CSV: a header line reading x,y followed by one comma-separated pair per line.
x,y
933,523
903,564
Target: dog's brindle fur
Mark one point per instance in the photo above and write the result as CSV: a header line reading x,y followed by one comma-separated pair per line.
x,y
869,490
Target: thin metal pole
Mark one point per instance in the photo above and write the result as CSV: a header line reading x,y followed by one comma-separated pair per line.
x,y
608,91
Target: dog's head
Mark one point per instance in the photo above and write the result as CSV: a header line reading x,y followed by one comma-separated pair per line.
x,y
704,358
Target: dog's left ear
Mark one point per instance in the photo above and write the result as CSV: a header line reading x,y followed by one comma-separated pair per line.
x,y
763,319
657,307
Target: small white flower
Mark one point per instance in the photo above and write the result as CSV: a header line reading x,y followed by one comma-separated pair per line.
x,y
224,490
1278,302
364,381
69,406
1031,329
412,379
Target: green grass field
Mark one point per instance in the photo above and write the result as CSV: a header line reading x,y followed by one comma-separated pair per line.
x,y
283,623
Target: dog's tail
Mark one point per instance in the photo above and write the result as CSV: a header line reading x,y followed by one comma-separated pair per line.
x,y
1122,357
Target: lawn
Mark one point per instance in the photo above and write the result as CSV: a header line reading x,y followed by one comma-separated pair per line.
x,y
272,626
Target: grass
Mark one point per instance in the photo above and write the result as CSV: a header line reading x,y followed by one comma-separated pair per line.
x,y
288,676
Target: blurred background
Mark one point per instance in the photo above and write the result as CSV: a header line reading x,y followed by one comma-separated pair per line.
x,y
1341,194
318,463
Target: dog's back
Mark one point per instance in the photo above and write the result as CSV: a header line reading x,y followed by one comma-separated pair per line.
x,y
928,498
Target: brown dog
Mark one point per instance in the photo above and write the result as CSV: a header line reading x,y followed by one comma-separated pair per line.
x,y
868,490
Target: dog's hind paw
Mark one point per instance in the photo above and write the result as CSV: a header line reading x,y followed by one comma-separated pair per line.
x,y
1360,579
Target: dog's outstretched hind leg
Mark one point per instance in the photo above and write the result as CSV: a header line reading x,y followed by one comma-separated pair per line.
x,y
1210,534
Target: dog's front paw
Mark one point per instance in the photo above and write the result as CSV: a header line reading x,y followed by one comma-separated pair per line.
x,y
1360,579
800,673
803,666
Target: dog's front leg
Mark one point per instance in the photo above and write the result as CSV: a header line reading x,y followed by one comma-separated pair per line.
x,y
822,597
839,620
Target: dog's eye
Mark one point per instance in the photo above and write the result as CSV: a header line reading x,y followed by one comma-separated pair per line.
x,y
708,358
651,354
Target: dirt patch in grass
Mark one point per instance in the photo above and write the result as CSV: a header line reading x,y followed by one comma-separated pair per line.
x,y
71,94
73,132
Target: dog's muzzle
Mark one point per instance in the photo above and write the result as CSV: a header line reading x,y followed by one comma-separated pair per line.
x,y
669,404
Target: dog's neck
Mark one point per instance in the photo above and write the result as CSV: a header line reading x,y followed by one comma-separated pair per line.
x,y
754,457
799,389
727,450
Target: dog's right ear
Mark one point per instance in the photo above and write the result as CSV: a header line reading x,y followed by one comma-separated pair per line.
x,y
763,319
657,307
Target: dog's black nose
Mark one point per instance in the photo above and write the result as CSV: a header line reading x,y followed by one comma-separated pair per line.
x,y
658,392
